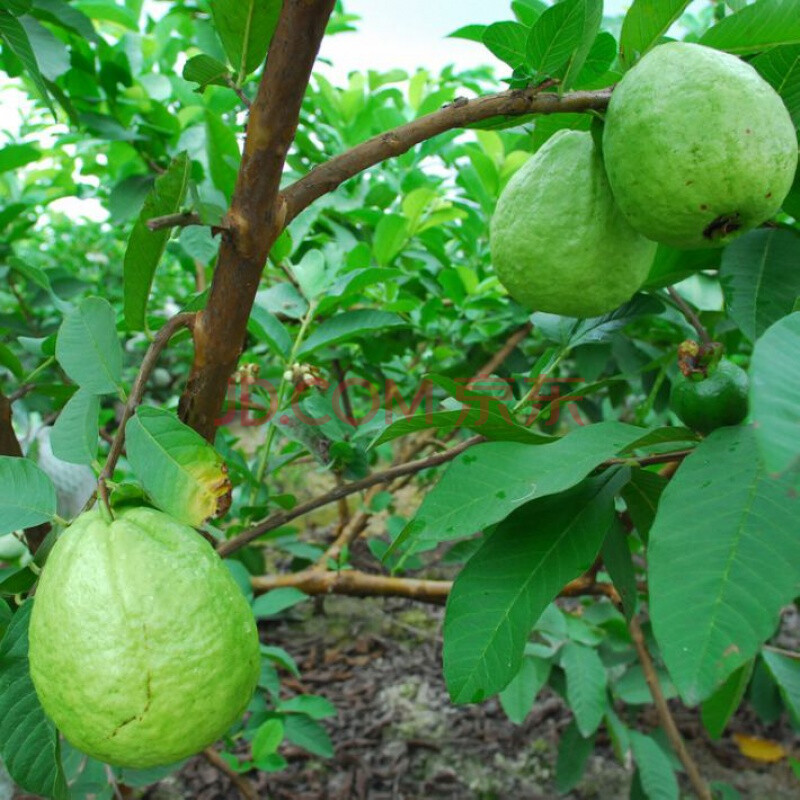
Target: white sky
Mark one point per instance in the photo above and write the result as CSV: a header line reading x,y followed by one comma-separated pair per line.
x,y
411,34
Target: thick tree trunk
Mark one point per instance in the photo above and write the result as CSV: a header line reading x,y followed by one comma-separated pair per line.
x,y
255,218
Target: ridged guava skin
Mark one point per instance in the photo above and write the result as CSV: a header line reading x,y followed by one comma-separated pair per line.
x,y
143,650
720,399
698,147
559,243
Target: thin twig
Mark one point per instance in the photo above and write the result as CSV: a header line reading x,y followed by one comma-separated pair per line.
x,y
165,333
183,219
690,315
458,114
239,92
504,352
243,785
665,715
282,517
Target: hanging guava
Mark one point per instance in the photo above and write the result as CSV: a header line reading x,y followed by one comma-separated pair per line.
x,y
143,650
559,242
698,147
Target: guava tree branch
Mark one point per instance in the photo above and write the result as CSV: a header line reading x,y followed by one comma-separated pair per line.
x,y
665,716
183,219
458,114
282,517
160,341
10,446
256,216
362,584
690,315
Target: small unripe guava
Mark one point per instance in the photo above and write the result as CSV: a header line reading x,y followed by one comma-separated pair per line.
x,y
698,147
143,650
559,242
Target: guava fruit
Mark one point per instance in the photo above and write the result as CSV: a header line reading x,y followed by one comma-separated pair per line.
x,y
698,147
558,241
143,650
717,400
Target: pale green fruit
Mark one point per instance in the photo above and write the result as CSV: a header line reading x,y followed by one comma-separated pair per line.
x,y
698,147
143,650
559,243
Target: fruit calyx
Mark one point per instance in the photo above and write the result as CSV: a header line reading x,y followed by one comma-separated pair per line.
x,y
697,361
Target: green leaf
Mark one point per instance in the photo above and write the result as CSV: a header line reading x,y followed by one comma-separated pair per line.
x,y
488,481
473,33
641,497
655,768
29,497
391,234
205,70
573,753
65,16
556,35
519,569
775,394
592,17
28,740
267,739
277,600
9,360
245,28
724,557
786,673
51,53
644,25
760,26
182,473
311,705
74,435
266,327
348,326
308,734
15,38
88,347
586,685
223,153
633,690
14,156
506,40
598,61
491,424
619,565
518,697
721,706
780,67
145,247
311,274
760,279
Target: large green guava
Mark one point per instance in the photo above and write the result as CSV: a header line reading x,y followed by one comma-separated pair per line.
x,y
559,243
698,147
143,650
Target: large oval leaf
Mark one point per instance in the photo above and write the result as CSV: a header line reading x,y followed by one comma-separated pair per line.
x,y
28,740
182,473
724,557
511,579
28,496
88,347
775,394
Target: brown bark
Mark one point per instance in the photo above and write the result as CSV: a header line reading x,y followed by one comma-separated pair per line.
x,y
361,584
255,218
326,177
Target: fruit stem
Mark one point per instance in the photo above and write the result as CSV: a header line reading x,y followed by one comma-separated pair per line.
x,y
690,315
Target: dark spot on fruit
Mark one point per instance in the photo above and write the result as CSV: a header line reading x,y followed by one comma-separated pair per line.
x,y
768,195
722,226
704,207
747,130
689,183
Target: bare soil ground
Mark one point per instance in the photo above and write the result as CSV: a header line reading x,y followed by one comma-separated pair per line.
x,y
398,737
